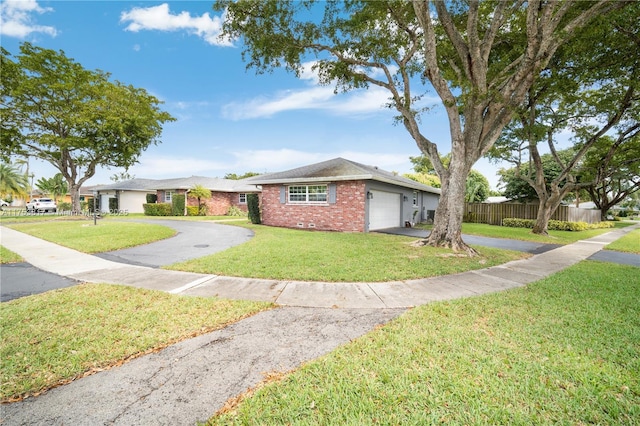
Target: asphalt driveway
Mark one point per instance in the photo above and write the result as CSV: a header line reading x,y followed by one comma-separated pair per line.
x,y
193,240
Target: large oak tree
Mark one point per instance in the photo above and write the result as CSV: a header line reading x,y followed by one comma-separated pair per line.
x,y
53,109
480,57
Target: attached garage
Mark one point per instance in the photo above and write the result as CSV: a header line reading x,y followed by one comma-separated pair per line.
x,y
384,210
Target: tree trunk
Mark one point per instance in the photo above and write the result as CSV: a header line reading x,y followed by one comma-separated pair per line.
x,y
548,205
74,191
545,211
447,225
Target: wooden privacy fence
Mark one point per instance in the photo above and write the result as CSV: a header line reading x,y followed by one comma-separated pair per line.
x,y
494,213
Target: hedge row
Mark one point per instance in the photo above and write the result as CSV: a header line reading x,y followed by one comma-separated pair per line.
x,y
161,209
556,225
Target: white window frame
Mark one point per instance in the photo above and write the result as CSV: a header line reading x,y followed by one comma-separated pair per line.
x,y
415,198
308,195
242,198
168,195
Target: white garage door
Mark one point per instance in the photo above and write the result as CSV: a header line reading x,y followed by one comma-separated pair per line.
x,y
384,210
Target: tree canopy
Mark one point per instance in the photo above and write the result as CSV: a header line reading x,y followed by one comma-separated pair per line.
x,y
76,119
589,90
479,57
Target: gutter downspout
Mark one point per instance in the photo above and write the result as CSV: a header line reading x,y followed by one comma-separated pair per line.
x,y
186,198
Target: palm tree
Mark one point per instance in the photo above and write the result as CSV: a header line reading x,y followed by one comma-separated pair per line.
x,y
56,186
13,183
199,192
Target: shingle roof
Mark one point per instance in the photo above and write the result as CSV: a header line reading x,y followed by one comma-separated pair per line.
x,y
338,169
150,185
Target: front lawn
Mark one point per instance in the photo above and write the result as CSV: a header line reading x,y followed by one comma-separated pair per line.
x,y
630,243
84,236
564,350
54,337
7,256
291,254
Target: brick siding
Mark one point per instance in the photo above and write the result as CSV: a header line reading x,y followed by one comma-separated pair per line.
x,y
346,215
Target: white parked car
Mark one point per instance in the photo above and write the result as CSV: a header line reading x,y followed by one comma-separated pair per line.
x,y
3,203
41,205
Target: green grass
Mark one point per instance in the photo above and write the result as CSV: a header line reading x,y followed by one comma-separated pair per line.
x,y
630,243
54,337
524,234
564,350
7,256
291,254
86,237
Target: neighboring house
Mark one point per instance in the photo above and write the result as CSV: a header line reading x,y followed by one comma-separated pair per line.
x,y
130,194
225,193
342,195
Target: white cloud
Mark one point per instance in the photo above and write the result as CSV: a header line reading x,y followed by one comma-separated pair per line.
x,y
160,167
315,97
160,18
16,19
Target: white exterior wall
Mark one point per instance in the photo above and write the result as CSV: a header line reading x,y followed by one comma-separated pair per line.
x,y
132,201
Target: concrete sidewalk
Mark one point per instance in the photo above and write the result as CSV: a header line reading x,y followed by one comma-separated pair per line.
x,y
189,381
401,294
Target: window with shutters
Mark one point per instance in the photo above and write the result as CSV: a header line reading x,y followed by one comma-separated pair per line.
x,y
308,194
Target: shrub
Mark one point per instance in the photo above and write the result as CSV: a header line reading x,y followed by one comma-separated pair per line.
x,y
64,207
235,211
162,209
193,211
152,198
113,204
556,225
518,223
253,205
177,205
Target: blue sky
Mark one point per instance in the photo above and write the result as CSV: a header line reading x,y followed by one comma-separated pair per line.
x,y
229,120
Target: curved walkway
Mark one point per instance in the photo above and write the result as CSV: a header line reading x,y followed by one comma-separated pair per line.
x,y
400,294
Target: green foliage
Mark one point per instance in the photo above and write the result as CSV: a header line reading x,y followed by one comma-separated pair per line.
x,y
477,188
233,176
53,108
152,198
158,209
193,211
64,207
13,183
253,206
55,186
426,179
236,211
177,205
113,204
557,225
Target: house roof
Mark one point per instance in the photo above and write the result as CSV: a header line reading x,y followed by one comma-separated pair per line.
x,y
151,185
338,169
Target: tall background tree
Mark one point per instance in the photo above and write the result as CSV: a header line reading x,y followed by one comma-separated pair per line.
x,y
589,90
480,58
612,169
53,109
